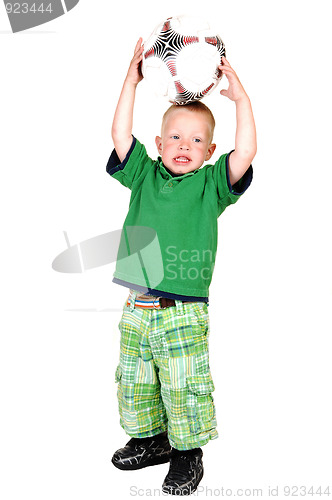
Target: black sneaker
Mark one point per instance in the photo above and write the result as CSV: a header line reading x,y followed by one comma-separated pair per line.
x,y
185,472
143,452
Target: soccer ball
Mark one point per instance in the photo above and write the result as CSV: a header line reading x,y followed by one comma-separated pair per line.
x,y
181,59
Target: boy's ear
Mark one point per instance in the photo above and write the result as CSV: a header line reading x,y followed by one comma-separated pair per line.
x,y
159,144
210,151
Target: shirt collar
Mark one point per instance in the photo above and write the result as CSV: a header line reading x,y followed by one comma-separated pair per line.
x,y
168,174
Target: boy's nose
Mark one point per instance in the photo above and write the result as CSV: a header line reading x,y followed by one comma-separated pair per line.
x,y
184,146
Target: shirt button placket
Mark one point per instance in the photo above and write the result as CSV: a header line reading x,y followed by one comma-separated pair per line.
x,y
168,186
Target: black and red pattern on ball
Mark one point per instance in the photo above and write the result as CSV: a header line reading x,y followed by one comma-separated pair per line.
x,y
187,40
179,87
217,42
168,45
167,25
171,66
184,96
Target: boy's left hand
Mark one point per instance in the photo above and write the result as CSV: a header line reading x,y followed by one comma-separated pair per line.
x,y
235,90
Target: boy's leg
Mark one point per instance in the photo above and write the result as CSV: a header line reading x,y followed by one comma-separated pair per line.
x,y
179,341
142,413
186,382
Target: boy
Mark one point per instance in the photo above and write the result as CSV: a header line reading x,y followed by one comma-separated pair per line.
x,y
164,379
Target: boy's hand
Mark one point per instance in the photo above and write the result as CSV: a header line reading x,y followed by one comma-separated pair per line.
x,y
235,90
134,74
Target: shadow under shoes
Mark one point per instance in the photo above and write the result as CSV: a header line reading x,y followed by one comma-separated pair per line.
x,y
143,452
185,472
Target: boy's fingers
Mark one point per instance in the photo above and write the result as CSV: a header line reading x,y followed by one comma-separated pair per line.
x,y
226,69
139,52
138,44
225,63
138,56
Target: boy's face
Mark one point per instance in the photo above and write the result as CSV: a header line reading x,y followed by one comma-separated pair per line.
x,y
185,141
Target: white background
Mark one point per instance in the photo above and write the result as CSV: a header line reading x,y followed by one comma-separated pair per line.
x,y
270,299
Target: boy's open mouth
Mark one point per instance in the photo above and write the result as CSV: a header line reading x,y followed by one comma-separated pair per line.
x,y
182,159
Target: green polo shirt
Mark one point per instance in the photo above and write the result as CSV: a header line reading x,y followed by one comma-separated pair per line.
x,y
169,238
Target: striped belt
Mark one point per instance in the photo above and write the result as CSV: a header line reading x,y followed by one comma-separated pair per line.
x,y
155,302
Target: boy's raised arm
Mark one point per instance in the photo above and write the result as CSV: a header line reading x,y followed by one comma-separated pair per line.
x,y
245,138
123,117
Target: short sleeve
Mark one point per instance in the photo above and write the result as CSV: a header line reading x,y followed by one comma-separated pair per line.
x,y
133,168
228,194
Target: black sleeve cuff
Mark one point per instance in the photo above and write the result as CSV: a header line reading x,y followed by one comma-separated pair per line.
x,y
242,184
114,164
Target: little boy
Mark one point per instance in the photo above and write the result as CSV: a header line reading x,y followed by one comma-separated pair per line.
x,y
164,379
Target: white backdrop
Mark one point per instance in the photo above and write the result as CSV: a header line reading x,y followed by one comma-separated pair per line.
x,y
270,299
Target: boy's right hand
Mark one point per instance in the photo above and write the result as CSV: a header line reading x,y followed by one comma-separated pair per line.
x,y
134,75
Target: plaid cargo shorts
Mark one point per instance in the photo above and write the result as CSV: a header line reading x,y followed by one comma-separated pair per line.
x,y
164,379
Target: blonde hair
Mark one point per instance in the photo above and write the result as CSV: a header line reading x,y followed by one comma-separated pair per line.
x,y
196,107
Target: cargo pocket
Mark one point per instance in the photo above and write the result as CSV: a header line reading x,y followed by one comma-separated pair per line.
x,y
200,405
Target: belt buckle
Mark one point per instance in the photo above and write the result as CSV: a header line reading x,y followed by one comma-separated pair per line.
x,y
162,299
167,302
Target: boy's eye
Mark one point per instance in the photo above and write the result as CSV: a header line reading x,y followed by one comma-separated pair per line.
x,y
175,137
197,139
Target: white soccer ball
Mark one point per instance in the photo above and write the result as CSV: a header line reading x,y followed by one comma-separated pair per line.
x,y
181,59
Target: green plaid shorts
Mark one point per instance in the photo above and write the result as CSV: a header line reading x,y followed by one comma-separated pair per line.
x,y
164,379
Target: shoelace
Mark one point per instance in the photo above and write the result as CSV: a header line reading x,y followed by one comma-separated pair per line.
x,y
180,467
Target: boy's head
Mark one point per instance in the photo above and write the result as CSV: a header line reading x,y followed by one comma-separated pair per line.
x,y
186,137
